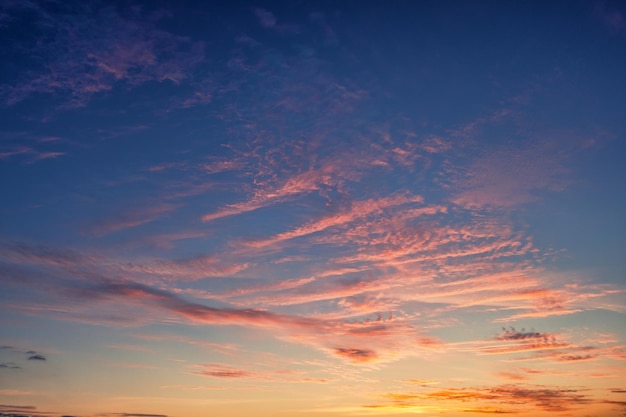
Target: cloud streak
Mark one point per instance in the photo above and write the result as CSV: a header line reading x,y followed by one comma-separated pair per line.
x,y
513,399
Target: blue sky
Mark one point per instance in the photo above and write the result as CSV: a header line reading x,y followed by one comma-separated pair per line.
x,y
312,208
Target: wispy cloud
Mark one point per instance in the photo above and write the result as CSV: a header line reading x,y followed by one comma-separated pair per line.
x,y
262,374
266,18
611,16
301,329
353,289
9,365
17,408
180,269
512,176
89,265
193,387
357,210
523,346
129,415
33,155
222,348
83,62
304,183
498,399
129,218
221,371
16,392
334,337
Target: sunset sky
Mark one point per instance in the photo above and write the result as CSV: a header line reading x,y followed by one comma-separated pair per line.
x,y
312,208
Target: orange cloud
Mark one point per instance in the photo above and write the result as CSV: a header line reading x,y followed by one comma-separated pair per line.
x,y
500,399
356,355
222,371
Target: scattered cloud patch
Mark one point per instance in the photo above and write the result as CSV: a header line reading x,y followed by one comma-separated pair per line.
x,y
501,399
36,357
18,409
11,392
356,355
130,415
9,365
222,371
91,50
265,17
512,334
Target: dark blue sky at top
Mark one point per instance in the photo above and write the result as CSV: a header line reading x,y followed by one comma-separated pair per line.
x,y
439,64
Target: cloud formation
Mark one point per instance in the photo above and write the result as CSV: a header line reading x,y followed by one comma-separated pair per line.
x,y
36,357
222,371
512,399
9,365
356,355
92,49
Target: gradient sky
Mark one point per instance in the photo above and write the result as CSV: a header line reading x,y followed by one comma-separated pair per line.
x,y
312,208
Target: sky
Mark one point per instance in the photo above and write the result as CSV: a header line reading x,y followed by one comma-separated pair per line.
x,y
312,208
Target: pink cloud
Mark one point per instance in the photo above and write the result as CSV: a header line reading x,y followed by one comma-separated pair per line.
x,y
222,165
168,240
510,176
266,18
558,311
15,392
34,154
48,155
300,184
150,270
385,339
180,269
283,172
227,372
358,210
133,218
17,151
512,376
222,371
193,387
